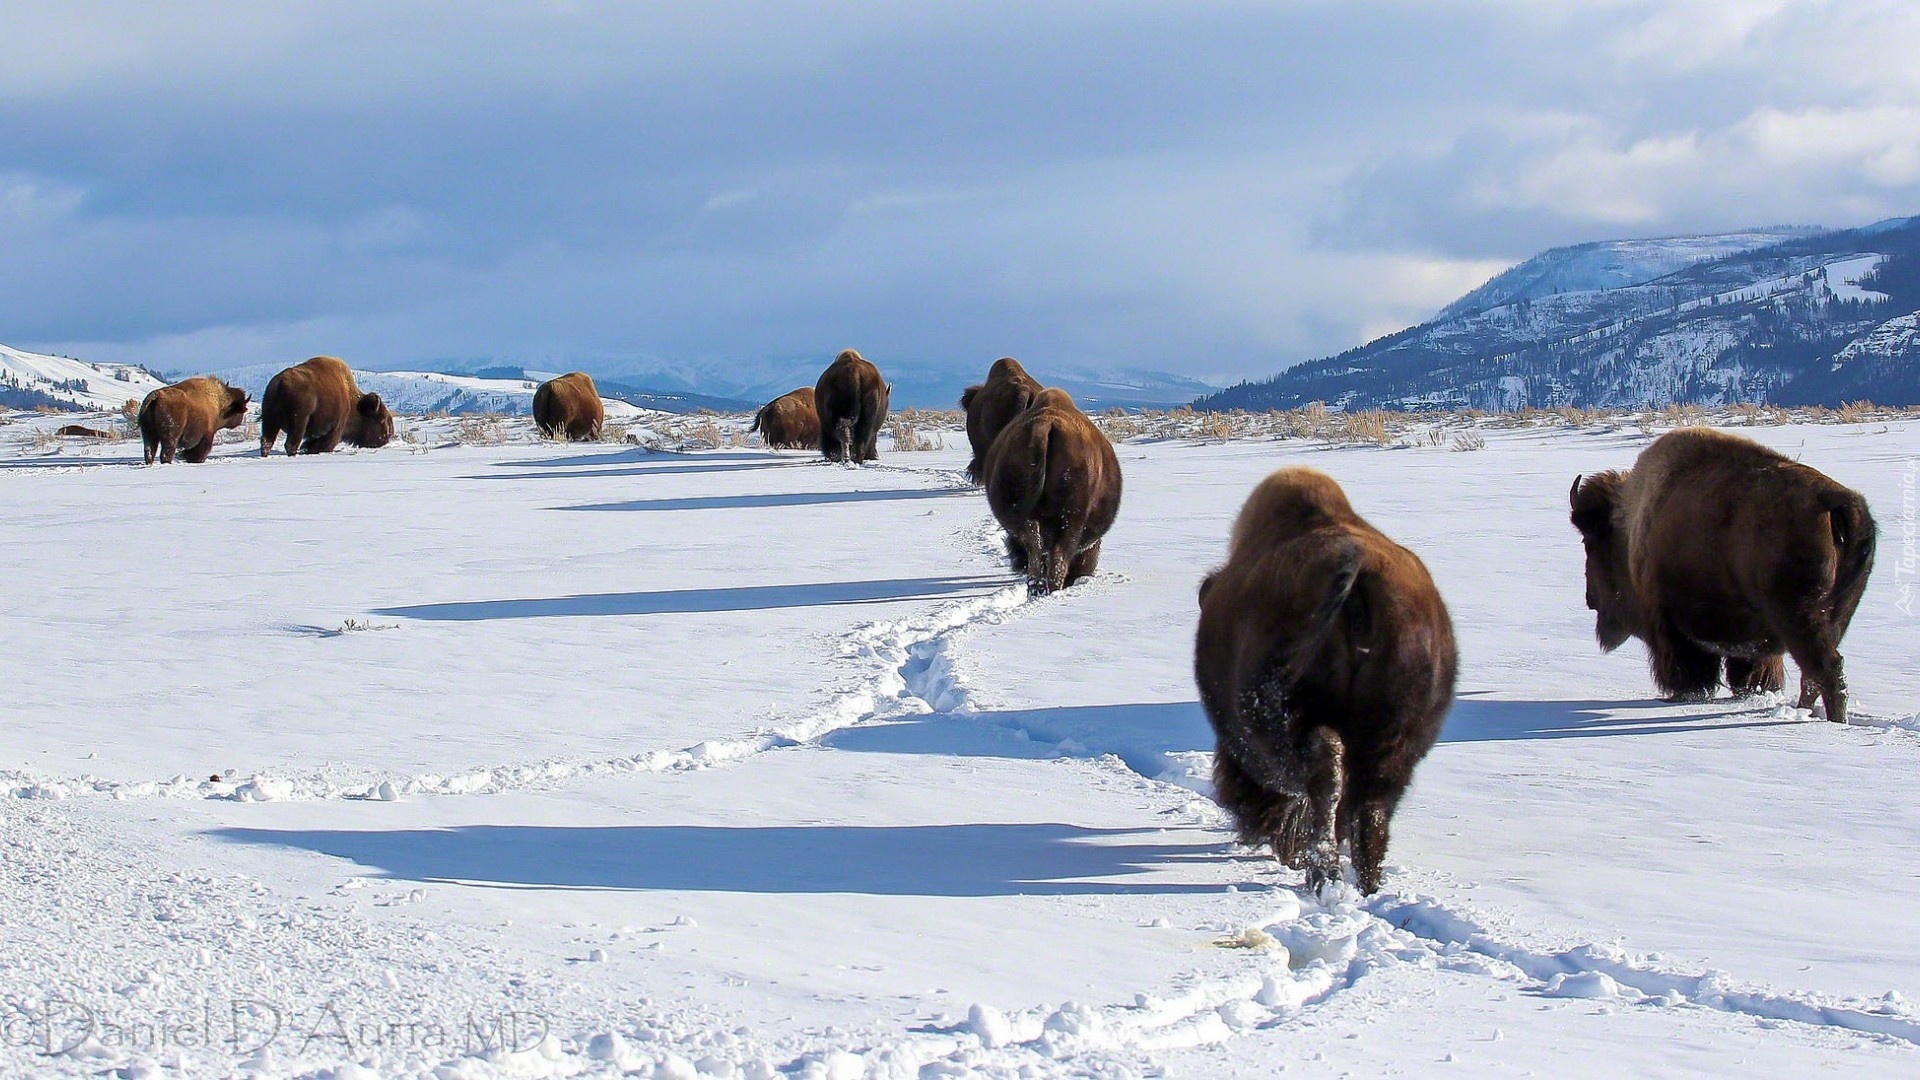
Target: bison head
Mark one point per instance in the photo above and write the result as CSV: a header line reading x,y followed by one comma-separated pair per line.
x,y
235,411
372,424
1609,588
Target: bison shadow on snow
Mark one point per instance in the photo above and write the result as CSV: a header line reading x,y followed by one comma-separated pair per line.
x,y
1476,718
1011,859
691,601
628,455
748,502
1144,734
692,469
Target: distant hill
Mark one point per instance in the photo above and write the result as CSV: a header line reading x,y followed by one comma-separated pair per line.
x,y
505,390
916,383
31,379
1609,264
1816,317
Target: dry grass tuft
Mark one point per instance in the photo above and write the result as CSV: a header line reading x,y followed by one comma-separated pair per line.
x,y
481,429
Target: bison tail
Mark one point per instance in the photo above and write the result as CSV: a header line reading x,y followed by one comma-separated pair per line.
x,y
1026,499
1855,538
1339,571
759,420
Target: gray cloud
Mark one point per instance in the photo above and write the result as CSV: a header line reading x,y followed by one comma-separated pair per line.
x,y
1216,189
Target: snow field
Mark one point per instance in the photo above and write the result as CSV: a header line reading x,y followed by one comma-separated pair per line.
x,y
738,764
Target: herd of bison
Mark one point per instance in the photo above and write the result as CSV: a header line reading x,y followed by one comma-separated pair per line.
x,y
1325,657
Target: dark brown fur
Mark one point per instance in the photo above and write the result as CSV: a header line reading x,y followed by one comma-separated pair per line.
x,y
1053,482
319,406
1717,550
851,400
183,418
789,421
569,404
992,405
1325,660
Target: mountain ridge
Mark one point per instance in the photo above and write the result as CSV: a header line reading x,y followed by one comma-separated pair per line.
x,y
1809,319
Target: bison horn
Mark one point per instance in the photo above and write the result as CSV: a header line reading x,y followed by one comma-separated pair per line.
x,y
1573,494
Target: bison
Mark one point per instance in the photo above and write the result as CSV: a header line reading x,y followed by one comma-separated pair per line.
x,y
569,404
851,399
184,417
1053,482
1325,661
1715,550
318,405
992,405
789,421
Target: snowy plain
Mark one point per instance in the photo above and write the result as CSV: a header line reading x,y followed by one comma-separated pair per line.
x,y
533,760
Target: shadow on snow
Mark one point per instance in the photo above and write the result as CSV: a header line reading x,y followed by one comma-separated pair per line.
x,y
906,860
1148,736
799,498
1476,719
688,469
685,601
627,455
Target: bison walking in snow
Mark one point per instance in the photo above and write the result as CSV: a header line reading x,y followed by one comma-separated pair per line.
x,y
318,405
1717,550
1325,660
992,405
789,421
569,404
184,417
851,399
1053,483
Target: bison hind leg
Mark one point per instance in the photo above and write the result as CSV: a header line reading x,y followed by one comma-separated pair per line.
x,y
1367,833
1823,676
1016,554
1765,675
1321,753
1086,564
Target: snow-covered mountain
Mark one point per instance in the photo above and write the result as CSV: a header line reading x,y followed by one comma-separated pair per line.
x,y
29,379
1818,318
1609,264
505,391
917,383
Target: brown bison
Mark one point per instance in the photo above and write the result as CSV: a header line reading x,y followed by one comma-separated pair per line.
x,y
789,421
1716,550
1325,660
318,405
1053,482
184,417
992,405
851,399
569,404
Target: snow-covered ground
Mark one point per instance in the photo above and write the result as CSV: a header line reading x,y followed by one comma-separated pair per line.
x,y
534,760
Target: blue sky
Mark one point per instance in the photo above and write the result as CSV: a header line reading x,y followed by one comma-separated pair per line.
x,y
1214,189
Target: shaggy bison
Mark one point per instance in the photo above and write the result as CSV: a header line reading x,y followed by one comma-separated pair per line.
x,y
789,421
569,404
851,399
318,405
992,405
1325,660
1714,549
184,417
1053,482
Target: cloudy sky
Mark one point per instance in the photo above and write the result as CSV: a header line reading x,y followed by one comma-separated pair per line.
x,y
1217,189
